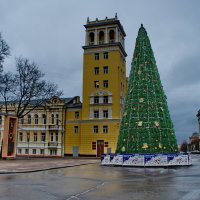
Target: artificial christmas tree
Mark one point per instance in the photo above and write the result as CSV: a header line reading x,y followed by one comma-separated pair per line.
x,y
146,126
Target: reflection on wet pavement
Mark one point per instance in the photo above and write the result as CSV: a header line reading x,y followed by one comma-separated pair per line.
x,y
100,182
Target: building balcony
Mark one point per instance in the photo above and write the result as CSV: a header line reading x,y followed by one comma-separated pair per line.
x,y
55,127
101,104
53,144
101,42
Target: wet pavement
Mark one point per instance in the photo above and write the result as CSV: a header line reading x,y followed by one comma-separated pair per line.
x,y
87,182
39,164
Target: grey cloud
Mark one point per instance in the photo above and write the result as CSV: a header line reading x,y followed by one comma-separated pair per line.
x,y
186,71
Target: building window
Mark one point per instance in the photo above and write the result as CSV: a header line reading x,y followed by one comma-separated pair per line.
x,y
43,137
57,119
101,37
34,151
52,118
19,151
35,137
20,137
56,137
76,129
44,121
96,114
28,137
105,99
94,145
29,119
96,84
105,69
26,151
105,129
111,36
91,38
105,55
95,129
36,119
96,100
76,115
22,120
96,56
105,114
51,137
42,151
53,152
0,120
105,83
106,144
96,70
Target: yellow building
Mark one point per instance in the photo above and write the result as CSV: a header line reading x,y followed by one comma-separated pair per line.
x,y
93,128
41,132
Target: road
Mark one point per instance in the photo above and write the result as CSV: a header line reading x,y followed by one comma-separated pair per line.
x,y
95,182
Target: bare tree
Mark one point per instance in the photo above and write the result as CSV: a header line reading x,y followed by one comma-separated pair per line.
x,y
27,89
7,88
4,51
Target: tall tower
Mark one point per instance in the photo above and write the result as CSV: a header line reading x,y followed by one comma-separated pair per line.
x,y
104,85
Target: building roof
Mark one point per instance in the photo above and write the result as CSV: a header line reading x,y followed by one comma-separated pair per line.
x,y
71,105
195,134
6,114
106,21
35,101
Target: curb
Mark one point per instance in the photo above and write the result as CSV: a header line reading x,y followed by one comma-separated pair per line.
x,y
44,169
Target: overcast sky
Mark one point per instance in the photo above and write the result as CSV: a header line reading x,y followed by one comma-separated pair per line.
x,y
51,33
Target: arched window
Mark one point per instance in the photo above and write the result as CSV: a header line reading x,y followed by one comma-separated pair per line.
x,y
101,37
36,119
29,119
56,137
51,137
35,137
44,121
52,118
22,120
28,137
20,137
43,137
111,36
57,119
91,38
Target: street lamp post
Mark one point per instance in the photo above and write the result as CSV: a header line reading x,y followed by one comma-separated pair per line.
x,y
61,137
28,140
62,144
44,149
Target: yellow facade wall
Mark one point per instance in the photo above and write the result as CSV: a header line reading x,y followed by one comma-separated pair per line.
x,y
115,76
71,138
88,137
